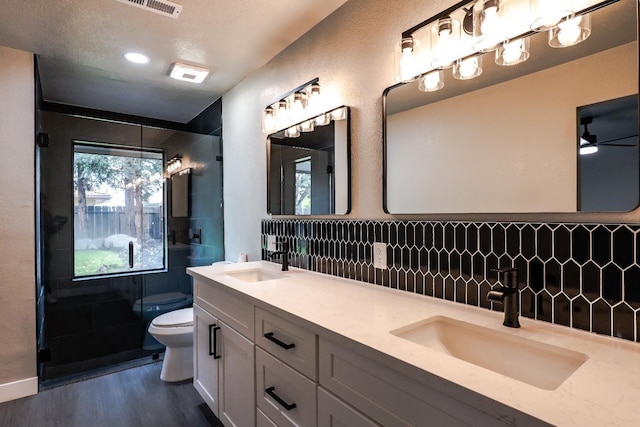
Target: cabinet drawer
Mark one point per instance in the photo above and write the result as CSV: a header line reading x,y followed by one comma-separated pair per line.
x,y
333,412
262,420
289,342
230,309
287,388
387,396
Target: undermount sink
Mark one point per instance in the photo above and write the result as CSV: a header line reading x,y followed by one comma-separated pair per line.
x,y
254,275
538,364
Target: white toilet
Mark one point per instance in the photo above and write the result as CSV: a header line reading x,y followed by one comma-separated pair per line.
x,y
152,306
175,331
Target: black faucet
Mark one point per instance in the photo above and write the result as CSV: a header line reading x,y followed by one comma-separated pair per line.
x,y
285,255
507,294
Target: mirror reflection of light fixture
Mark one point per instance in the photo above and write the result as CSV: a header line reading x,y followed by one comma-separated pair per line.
x,y
501,25
431,81
339,113
467,68
548,13
570,31
174,164
588,142
306,126
292,132
512,52
322,119
292,107
489,27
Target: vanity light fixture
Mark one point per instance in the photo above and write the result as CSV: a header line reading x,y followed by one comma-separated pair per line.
x,y
503,26
174,164
292,107
188,73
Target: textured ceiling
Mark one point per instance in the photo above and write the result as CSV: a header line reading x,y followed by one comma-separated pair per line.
x,y
80,46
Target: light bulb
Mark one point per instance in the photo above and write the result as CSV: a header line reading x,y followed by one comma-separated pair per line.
x,y
408,62
549,12
512,52
293,132
445,46
338,114
490,23
468,67
322,120
430,82
569,31
269,120
306,126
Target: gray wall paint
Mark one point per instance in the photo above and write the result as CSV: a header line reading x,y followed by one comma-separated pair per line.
x,y
17,232
352,53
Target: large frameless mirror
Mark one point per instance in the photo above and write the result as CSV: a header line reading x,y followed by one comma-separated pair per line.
x,y
308,166
509,139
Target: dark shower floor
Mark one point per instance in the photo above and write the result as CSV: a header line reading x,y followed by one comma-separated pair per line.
x,y
91,332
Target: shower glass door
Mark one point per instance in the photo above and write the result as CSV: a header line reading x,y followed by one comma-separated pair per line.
x,y
113,255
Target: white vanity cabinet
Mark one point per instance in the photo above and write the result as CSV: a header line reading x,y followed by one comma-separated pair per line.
x,y
388,397
286,371
224,359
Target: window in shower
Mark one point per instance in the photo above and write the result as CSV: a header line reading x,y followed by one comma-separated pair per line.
x,y
118,210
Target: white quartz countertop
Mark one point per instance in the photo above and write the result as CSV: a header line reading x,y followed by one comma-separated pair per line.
x,y
605,390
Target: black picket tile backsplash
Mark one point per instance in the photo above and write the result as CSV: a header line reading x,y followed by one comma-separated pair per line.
x,y
578,275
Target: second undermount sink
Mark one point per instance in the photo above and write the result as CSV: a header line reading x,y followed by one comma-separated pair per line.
x,y
538,364
255,275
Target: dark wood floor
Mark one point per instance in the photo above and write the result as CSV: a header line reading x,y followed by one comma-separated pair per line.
x,y
134,397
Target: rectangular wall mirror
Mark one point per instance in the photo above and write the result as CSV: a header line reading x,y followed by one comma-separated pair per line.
x,y
508,141
308,166
180,190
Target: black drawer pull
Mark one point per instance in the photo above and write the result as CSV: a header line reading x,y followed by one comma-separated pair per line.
x,y
270,391
212,332
273,339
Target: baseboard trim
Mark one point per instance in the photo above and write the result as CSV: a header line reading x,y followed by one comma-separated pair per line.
x,y
18,389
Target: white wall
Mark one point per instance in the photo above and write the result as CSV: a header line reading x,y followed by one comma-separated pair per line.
x,y
17,231
352,53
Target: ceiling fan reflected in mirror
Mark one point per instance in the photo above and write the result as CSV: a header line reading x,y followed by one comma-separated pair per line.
x,y
589,143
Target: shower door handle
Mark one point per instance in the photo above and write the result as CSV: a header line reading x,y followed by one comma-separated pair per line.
x,y
213,350
130,254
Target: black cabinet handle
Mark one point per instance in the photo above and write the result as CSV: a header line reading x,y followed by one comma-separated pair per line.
x,y
130,254
271,392
212,332
270,337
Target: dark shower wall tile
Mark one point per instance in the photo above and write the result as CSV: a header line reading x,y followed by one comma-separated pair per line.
x,y
586,276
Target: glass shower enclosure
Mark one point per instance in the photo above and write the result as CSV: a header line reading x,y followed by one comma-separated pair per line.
x,y
113,249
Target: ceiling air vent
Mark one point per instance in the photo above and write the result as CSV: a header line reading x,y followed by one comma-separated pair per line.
x,y
163,7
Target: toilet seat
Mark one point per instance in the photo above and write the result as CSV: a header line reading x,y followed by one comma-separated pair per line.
x,y
174,319
160,299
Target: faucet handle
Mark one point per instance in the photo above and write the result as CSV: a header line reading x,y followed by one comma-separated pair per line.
x,y
508,276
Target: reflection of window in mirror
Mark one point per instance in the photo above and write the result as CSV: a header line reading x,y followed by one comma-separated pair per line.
x,y
608,156
303,186
308,172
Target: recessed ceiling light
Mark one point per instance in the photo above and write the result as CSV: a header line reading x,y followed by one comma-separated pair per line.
x,y
188,73
136,58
